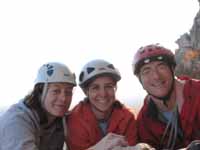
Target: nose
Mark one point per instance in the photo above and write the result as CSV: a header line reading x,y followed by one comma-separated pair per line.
x,y
102,92
155,74
62,96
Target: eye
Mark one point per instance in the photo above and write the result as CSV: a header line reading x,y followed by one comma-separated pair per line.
x,y
94,87
162,66
56,91
68,93
145,71
109,87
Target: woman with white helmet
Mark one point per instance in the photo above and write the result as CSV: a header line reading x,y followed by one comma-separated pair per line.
x,y
100,113
35,123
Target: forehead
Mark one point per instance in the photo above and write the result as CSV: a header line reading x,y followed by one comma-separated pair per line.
x,y
102,79
153,64
60,85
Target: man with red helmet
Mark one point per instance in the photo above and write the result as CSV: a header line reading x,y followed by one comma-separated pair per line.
x,y
170,116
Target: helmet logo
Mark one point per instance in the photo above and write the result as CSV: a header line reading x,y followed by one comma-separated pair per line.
x,y
49,69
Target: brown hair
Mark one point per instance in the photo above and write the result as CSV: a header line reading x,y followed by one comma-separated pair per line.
x,y
33,101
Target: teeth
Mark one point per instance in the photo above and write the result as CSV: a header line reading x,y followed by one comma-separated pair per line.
x,y
60,106
102,101
158,84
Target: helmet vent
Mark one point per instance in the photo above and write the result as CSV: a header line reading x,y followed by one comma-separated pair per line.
x,y
111,66
81,76
150,49
90,69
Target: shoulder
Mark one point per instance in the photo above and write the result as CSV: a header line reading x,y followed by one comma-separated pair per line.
x,y
191,87
188,81
18,115
143,112
81,113
129,110
80,108
124,110
16,126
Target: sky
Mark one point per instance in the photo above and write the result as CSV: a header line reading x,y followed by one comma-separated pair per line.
x,y
76,31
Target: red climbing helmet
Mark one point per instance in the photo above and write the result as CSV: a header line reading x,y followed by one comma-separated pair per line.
x,y
149,53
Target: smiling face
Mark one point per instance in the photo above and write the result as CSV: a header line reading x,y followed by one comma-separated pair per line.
x,y
101,94
58,98
156,78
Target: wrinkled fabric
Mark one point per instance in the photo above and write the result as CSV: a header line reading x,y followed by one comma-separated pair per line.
x,y
84,132
20,130
150,130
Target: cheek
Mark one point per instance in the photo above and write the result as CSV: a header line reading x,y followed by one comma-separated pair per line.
x,y
112,95
144,82
46,105
69,100
90,96
48,102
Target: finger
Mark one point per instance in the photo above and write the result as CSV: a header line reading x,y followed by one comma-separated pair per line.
x,y
117,142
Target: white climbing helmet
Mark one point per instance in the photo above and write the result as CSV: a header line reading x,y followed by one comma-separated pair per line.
x,y
97,67
55,72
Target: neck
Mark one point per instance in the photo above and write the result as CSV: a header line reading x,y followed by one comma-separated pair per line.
x,y
170,104
176,98
50,118
101,115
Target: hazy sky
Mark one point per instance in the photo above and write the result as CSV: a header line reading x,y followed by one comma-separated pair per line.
x,y
76,31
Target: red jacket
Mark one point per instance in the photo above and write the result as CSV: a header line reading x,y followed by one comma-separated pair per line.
x,y
83,130
150,129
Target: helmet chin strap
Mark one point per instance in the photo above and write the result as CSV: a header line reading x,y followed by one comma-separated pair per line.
x,y
44,94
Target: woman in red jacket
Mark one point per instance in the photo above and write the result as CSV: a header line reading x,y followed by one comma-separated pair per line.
x,y
100,112
170,116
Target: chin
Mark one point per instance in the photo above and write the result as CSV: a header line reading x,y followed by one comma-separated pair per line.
x,y
104,110
59,114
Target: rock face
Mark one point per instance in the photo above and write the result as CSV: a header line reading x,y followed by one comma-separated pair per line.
x,y
188,53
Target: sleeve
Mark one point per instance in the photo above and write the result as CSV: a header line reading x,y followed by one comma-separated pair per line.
x,y
78,137
17,135
196,122
145,131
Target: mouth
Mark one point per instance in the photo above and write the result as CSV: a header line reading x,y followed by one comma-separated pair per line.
x,y
102,101
60,107
159,84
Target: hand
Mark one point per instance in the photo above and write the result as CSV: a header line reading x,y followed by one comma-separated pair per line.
x,y
194,145
139,146
110,141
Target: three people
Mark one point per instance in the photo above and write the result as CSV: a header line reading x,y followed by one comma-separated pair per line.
x,y
35,123
100,112
170,116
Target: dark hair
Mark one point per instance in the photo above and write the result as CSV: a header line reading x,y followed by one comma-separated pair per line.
x,y
33,101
